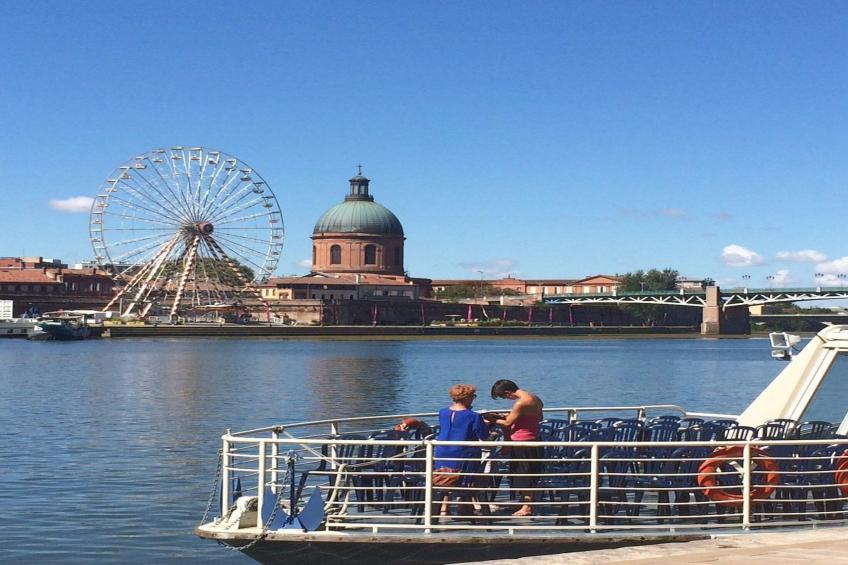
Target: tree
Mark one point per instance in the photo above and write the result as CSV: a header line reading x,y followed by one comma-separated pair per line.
x,y
653,279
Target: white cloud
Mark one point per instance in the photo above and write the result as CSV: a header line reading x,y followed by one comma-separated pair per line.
x,y
73,205
495,269
782,277
673,213
737,256
831,269
802,256
305,263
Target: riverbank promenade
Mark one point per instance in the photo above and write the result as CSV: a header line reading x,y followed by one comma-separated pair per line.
x,y
821,546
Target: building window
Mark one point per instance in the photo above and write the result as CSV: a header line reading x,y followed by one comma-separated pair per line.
x,y
335,255
370,254
397,255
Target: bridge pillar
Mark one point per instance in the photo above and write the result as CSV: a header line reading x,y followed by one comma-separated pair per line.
x,y
711,316
715,321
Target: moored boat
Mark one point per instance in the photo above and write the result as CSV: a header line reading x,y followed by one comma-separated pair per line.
x,y
62,327
360,490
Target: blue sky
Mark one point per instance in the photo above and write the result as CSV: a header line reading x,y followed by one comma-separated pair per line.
x,y
543,139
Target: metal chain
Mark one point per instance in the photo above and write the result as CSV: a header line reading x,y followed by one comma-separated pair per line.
x,y
270,519
214,486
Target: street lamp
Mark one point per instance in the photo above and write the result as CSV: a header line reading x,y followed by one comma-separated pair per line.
x,y
770,279
819,277
481,282
842,277
641,286
745,279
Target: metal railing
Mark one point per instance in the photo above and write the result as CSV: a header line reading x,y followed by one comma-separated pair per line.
x,y
370,482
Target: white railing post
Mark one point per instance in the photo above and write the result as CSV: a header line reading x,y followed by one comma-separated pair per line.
x,y
275,460
225,477
428,487
260,484
334,431
594,484
746,487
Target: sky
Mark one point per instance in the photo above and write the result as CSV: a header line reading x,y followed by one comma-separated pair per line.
x,y
538,139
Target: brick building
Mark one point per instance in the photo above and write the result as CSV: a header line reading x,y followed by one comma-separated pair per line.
x,y
29,283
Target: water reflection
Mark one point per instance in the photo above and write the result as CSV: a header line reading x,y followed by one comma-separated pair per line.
x,y
354,386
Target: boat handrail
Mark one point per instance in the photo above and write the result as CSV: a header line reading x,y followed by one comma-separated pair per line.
x,y
571,411
501,443
381,485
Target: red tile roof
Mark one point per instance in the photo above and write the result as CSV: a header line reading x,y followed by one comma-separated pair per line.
x,y
32,276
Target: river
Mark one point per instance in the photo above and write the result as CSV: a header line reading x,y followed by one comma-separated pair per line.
x,y
109,446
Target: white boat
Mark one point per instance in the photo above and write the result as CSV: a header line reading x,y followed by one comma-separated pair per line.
x,y
17,327
357,490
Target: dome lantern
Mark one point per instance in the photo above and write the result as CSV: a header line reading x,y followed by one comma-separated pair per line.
x,y
359,187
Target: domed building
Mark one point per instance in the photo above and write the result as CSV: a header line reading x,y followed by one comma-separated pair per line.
x,y
358,235
357,254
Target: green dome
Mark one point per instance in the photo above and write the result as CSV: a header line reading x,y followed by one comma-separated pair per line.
x,y
359,216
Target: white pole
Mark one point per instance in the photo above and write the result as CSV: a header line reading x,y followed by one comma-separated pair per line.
x,y
428,488
593,488
746,487
275,461
225,477
260,485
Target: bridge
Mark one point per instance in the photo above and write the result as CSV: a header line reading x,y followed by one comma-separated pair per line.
x,y
723,311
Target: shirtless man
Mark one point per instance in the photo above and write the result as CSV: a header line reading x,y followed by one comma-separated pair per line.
x,y
521,424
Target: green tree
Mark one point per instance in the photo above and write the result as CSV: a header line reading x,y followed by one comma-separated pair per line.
x,y
653,279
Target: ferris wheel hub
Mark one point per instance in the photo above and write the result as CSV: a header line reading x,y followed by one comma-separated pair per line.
x,y
205,228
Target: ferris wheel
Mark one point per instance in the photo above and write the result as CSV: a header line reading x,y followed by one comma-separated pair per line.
x,y
185,229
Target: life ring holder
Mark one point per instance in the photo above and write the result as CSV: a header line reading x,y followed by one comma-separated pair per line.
x,y
708,478
841,475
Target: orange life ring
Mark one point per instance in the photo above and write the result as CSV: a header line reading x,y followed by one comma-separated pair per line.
x,y
708,480
842,473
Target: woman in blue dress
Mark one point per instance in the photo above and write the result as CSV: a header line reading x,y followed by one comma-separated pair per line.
x,y
458,422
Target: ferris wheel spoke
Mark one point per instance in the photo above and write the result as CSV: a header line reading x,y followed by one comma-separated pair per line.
x,y
160,209
211,185
163,219
231,175
139,251
240,207
125,216
242,218
174,179
138,192
159,236
240,254
228,201
239,236
178,199
187,186
170,199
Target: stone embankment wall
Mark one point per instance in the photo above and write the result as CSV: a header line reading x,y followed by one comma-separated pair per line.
x,y
425,312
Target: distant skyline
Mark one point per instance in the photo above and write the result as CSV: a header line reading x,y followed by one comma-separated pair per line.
x,y
542,140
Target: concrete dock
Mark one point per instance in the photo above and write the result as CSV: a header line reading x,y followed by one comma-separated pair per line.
x,y
820,546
